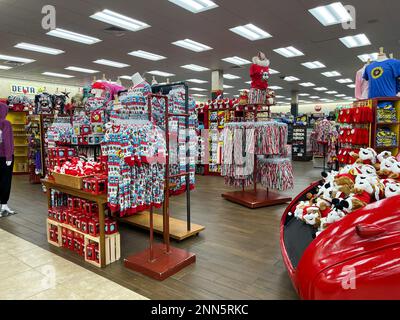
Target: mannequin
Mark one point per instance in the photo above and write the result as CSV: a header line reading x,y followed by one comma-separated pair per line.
x,y
382,76
6,160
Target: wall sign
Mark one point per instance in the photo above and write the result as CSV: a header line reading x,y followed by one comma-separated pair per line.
x,y
19,89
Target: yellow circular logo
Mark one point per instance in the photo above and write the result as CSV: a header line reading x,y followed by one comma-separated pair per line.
x,y
377,72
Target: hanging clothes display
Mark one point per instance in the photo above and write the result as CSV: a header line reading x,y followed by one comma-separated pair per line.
x,y
135,151
244,140
325,139
362,86
276,173
183,143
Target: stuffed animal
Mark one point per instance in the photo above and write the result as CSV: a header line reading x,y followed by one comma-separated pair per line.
x,y
386,167
363,193
344,184
392,189
259,72
382,156
312,216
367,156
395,168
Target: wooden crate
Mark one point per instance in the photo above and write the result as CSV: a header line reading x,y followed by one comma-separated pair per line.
x,y
113,248
68,180
113,242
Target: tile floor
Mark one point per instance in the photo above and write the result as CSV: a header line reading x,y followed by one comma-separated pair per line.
x,y
28,272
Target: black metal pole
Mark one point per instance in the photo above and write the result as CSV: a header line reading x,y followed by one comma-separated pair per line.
x,y
189,225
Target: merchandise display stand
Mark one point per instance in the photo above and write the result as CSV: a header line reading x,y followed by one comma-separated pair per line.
x,y
255,198
160,261
108,244
18,121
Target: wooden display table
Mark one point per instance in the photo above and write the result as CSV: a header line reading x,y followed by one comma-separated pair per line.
x,y
108,244
178,228
256,199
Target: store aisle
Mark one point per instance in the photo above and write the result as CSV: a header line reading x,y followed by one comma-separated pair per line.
x,y
30,272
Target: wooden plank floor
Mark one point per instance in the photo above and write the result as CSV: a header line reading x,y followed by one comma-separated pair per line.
x,y
238,254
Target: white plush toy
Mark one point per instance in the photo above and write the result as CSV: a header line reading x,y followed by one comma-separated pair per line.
x,y
383,155
312,216
395,168
367,156
386,167
392,189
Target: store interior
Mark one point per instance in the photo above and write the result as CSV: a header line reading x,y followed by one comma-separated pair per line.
x,y
202,149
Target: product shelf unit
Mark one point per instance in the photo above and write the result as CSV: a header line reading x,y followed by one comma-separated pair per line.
x,y
109,245
18,121
255,198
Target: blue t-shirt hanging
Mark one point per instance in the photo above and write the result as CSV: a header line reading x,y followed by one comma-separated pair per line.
x,y
382,77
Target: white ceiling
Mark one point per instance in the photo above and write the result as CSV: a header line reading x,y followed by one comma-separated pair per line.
x,y
287,20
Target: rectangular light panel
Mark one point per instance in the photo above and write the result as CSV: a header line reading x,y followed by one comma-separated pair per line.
x,y
194,67
111,63
289,52
191,45
37,48
251,32
331,14
237,60
356,41
195,6
73,36
119,20
146,55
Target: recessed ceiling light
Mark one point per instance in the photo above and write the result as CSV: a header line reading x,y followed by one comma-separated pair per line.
x,y
195,6
248,82
244,90
314,65
251,32
359,40
73,36
83,70
161,73
230,76
331,74
126,77
5,67
57,75
331,14
304,94
368,56
340,95
227,87
273,71
16,59
111,63
331,92
275,88
146,55
197,81
352,86
344,81
192,45
307,84
237,60
37,48
280,97
291,78
194,67
288,98
198,89
350,98
289,52
314,97
320,89
119,20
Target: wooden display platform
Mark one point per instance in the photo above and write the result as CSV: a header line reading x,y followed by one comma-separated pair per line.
x,y
258,199
178,228
164,264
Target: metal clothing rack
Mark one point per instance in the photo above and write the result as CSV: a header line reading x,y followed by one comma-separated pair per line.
x,y
160,261
255,198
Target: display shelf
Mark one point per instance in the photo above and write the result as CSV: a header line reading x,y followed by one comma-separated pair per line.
x,y
101,201
178,228
18,119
